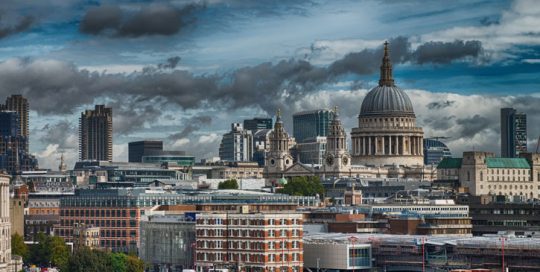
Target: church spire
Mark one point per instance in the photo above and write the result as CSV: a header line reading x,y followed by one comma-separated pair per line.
x,y
386,69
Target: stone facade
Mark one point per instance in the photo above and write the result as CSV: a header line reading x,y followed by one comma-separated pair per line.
x,y
387,133
481,173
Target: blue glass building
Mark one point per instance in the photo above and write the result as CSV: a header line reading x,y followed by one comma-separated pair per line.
x,y
310,124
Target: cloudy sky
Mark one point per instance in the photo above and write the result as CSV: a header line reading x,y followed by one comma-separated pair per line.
x,y
182,71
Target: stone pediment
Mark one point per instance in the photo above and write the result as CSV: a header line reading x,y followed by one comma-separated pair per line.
x,y
299,169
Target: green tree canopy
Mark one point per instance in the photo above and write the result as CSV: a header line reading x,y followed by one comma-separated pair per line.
x,y
303,186
18,247
49,250
228,184
92,260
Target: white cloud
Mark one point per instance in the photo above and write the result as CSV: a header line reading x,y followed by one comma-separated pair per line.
x,y
514,28
181,143
209,138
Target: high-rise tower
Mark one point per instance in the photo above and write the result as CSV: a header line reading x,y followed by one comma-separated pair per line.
x,y
20,105
95,134
513,133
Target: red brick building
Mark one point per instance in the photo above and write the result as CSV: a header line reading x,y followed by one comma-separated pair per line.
x,y
250,241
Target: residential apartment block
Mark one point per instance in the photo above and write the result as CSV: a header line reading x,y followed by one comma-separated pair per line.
x,y
250,241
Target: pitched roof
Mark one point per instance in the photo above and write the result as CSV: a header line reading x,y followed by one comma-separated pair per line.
x,y
450,163
520,163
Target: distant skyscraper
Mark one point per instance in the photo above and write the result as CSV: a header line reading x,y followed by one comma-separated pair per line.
x,y
435,151
258,123
308,125
95,134
513,133
13,155
236,145
19,104
9,124
143,148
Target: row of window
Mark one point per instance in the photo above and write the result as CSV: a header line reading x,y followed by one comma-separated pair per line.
x,y
515,186
218,244
101,223
245,257
249,222
247,233
103,233
98,213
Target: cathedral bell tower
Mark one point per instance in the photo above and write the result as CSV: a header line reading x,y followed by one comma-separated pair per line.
x,y
337,158
278,158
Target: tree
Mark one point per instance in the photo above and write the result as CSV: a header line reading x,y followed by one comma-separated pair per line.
x,y
91,260
40,253
49,251
119,262
59,251
18,247
88,260
303,186
228,184
134,264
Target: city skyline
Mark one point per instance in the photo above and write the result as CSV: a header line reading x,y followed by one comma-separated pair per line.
x,y
215,63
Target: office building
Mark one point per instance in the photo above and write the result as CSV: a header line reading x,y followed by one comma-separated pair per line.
x,y
311,124
95,134
311,151
136,150
14,157
513,133
481,173
117,212
250,241
336,255
167,242
257,124
20,105
261,145
387,133
236,145
435,151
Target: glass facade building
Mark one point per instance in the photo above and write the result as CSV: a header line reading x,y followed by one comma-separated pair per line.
x,y
310,124
435,151
258,123
513,133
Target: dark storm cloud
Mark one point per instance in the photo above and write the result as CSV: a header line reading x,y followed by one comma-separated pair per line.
x,y
62,133
171,63
138,97
20,26
446,52
440,105
99,19
149,20
474,125
368,61
191,125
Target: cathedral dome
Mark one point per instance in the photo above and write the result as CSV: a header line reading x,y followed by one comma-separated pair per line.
x,y
386,99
